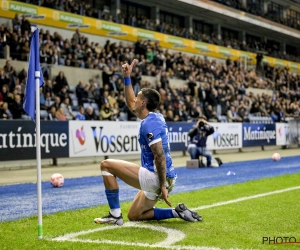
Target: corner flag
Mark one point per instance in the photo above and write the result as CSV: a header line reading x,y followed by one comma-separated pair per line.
x,y
34,73
32,107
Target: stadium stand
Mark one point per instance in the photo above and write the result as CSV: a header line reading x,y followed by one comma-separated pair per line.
x,y
218,90
138,15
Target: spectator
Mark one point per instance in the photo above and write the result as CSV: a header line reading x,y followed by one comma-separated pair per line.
x,y
60,82
255,108
67,109
121,100
16,23
182,113
103,98
52,116
43,105
214,117
106,74
4,78
17,107
202,94
80,116
25,25
170,116
81,93
8,68
106,112
25,51
6,95
90,114
22,75
209,112
14,47
48,100
111,99
47,88
63,93
94,93
60,114
232,115
5,113
57,102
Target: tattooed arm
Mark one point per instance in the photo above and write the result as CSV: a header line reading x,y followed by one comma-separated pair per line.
x,y
160,163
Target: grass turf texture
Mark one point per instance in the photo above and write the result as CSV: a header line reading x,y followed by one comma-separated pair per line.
x,y
239,225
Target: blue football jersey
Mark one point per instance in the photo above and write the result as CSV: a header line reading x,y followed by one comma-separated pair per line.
x,y
154,129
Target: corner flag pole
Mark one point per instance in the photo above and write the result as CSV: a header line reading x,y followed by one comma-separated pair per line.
x,y
38,154
31,105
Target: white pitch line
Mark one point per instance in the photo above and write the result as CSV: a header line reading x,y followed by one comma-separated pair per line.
x,y
173,235
246,198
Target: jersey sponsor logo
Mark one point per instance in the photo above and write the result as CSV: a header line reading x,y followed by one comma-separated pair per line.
x,y
150,136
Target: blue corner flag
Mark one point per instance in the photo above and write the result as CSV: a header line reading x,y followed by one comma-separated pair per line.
x,y
34,72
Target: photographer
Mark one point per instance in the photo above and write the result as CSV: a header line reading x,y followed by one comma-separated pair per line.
x,y
198,135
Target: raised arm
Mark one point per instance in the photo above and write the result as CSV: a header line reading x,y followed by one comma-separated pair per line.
x,y
129,94
160,163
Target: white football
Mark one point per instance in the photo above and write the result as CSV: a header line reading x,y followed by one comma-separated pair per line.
x,y
276,157
57,180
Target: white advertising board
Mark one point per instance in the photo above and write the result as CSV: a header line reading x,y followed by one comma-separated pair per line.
x,y
226,136
282,134
99,138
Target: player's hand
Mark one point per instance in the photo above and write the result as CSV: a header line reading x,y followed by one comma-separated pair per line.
x,y
127,69
165,194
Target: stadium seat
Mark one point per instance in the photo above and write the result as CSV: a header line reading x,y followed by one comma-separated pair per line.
x,y
26,117
43,114
219,110
72,89
73,96
86,105
75,108
75,103
75,113
95,106
97,113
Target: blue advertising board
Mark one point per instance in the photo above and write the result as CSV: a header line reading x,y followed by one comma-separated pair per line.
x,y
258,134
178,135
18,140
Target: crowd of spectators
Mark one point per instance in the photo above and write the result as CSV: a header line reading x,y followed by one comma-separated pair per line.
x,y
219,92
154,61
256,8
142,21
213,89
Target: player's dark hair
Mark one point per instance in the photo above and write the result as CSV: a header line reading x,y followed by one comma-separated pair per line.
x,y
152,98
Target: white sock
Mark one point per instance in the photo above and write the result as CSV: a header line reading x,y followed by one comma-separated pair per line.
x,y
175,213
116,212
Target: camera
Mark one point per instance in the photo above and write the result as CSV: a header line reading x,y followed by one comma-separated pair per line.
x,y
201,126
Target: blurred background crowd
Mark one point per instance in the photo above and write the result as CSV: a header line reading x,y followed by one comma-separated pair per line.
x,y
139,16
212,88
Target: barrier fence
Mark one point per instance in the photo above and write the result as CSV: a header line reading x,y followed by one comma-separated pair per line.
x,y
105,138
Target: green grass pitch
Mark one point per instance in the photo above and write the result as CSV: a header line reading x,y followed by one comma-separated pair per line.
x,y
238,225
